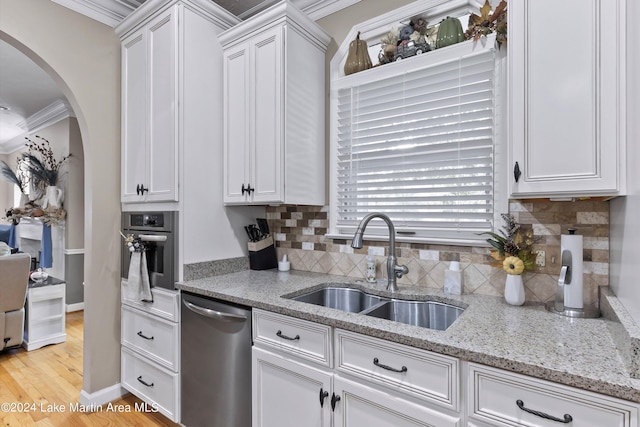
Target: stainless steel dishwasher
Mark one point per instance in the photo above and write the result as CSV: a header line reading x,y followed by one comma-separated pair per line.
x,y
215,363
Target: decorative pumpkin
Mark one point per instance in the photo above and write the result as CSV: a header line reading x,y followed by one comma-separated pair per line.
x,y
358,57
449,32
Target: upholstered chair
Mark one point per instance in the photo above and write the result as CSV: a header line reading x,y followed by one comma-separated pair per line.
x,y
14,279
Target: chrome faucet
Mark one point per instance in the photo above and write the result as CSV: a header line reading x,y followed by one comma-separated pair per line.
x,y
394,270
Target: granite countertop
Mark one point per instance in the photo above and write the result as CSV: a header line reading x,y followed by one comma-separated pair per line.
x,y
527,339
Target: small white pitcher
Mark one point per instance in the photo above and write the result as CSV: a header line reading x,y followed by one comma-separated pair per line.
x,y
53,197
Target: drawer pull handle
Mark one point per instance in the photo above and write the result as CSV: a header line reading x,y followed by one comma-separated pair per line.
x,y
334,399
281,335
323,395
387,367
144,382
567,418
141,335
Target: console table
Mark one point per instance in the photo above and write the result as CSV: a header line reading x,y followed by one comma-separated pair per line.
x,y
45,314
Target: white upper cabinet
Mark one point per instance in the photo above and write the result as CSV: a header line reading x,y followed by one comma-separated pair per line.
x,y
274,114
567,98
149,144
170,64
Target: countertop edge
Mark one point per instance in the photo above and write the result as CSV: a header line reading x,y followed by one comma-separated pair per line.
x,y
619,389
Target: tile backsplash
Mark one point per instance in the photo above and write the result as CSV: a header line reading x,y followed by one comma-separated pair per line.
x,y
300,233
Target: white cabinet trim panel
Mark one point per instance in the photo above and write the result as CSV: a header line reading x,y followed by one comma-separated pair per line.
x,y
425,375
307,340
493,395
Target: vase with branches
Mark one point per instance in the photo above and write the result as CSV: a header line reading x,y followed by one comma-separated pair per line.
x,y
40,164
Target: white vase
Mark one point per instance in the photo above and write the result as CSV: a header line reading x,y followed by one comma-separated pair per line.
x,y
53,197
24,199
514,289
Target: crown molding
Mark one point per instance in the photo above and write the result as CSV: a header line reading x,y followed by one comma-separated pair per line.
x,y
113,12
53,113
109,12
319,9
49,115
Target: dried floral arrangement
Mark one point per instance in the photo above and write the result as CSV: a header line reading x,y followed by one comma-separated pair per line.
x,y
16,177
40,163
512,247
488,22
134,243
49,216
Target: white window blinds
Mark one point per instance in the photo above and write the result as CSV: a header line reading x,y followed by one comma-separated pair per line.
x,y
419,147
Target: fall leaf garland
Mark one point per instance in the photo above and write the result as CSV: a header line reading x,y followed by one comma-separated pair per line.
x,y
488,22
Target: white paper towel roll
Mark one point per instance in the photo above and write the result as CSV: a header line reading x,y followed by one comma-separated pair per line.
x,y
573,291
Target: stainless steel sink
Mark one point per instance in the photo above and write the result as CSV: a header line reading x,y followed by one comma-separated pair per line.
x,y
428,314
345,299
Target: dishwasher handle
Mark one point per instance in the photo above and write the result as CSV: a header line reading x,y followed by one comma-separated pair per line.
x,y
225,317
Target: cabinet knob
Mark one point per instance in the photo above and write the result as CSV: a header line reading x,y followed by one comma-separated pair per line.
x,y
323,395
140,189
516,172
248,189
334,399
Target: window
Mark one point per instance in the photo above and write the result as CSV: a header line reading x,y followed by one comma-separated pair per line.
x,y
418,142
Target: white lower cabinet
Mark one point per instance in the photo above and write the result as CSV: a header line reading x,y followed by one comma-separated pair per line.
x,y
150,352
287,393
362,405
295,384
500,398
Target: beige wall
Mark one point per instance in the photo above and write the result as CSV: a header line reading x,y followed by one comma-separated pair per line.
x,y
83,57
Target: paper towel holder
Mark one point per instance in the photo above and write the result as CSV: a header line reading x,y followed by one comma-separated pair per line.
x,y
557,306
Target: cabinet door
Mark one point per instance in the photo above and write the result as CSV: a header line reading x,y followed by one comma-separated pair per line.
x,y
268,116
287,393
134,132
236,124
362,406
566,93
163,96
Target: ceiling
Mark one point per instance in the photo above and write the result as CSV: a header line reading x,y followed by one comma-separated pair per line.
x,y
30,95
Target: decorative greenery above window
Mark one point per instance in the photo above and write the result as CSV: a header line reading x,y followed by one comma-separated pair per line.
x,y
417,140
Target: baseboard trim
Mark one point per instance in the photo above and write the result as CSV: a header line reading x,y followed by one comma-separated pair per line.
x,y
94,401
75,307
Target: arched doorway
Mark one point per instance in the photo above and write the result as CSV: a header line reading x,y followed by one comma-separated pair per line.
x,y
82,56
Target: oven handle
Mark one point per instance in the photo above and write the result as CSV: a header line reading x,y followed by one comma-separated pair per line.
x,y
152,238
225,317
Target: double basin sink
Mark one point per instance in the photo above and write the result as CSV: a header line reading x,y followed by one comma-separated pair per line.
x,y
427,314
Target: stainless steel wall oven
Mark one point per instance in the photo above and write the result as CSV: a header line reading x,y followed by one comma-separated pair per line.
x,y
159,231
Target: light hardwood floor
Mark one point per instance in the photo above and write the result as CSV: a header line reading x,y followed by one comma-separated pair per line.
x,y
43,381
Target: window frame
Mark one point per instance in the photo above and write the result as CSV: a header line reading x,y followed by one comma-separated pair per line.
x,y
338,81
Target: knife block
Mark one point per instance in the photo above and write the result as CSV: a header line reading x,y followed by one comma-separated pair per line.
x,y
262,254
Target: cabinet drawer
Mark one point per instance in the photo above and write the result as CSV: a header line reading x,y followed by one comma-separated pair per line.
x,y
495,396
165,303
160,388
302,338
153,337
419,373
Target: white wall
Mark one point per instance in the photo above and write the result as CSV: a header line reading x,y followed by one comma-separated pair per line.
x,y
6,189
83,57
625,211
